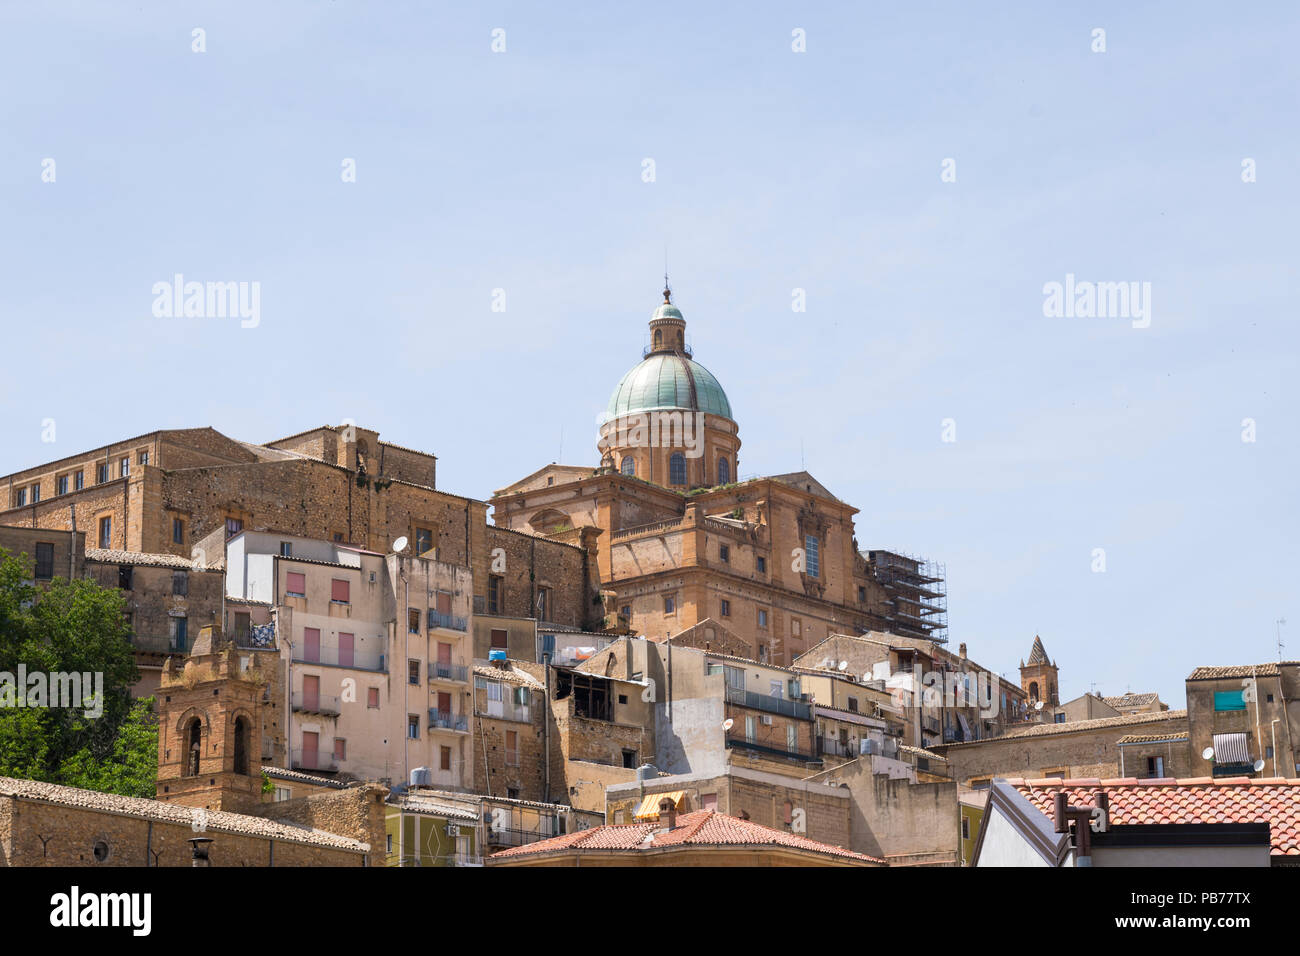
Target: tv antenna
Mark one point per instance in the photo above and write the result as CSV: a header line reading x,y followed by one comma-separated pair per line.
x,y
1279,622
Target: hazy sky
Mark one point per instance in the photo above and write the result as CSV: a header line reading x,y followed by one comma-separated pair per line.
x,y
774,170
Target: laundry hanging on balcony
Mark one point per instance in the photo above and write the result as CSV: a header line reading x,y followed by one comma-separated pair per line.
x,y
262,635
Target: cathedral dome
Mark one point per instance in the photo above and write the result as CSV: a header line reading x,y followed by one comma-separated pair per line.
x,y
669,380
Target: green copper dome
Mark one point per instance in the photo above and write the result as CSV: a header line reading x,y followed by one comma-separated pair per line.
x,y
663,381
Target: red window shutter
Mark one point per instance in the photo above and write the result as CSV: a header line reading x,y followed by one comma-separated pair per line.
x,y
295,582
339,591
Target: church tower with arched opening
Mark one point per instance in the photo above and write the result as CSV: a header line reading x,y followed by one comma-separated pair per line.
x,y
1038,677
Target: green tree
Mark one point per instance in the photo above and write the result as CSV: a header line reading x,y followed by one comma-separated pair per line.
x,y
71,627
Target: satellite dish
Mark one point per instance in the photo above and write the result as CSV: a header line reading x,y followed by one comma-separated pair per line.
x,y
1259,765
400,544
1208,753
1038,705
726,724
844,665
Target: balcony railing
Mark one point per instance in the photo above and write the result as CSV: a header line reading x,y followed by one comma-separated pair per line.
x,y
505,710
796,754
446,720
772,705
518,836
449,621
835,747
450,672
315,760
339,657
316,703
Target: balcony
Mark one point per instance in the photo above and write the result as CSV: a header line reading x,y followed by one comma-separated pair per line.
x,y
335,656
453,673
519,836
449,621
446,720
770,705
313,760
742,743
323,704
506,710
154,644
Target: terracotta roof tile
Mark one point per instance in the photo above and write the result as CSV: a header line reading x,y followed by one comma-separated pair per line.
x,y
1238,670
1273,801
697,828
1076,726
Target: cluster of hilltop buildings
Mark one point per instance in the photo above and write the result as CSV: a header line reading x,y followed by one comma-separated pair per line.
x,y
351,665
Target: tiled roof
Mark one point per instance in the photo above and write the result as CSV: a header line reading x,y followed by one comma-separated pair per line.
x,y
1077,726
921,752
1274,800
141,559
1037,655
511,675
1131,700
1152,738
281,773
697,828
142,809
415,802
1236,670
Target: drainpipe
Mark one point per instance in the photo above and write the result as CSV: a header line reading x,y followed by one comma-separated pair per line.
x,y
72,542
546,724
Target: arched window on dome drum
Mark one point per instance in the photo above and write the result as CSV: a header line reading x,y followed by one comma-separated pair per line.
x,y
677,469
681,341
629,465
724,471
659,338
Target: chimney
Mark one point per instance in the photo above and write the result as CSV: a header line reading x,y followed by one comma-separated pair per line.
x,y
961,649
668,812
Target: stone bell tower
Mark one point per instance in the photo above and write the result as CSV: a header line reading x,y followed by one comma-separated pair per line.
x,y
210,728
1038,677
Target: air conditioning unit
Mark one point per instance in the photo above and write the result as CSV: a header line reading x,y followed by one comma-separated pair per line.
x,y
453,830
767,720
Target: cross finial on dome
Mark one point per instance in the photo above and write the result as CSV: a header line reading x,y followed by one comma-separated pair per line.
x,y
668,291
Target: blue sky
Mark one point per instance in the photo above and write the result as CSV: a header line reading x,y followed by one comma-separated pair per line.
x,y
774,170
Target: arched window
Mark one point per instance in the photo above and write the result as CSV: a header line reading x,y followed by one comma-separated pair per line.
x,y
629,465
659,338
243,737
193,747
724,471
677,469
1033,690
681,341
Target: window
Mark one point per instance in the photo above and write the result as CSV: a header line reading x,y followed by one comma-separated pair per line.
x,y
629,759
295,584
180,583
44,560
178,531
124,572
412,727
493,690
626,611
543,604
670,604
124,467
677,469
762,617
144,458
286,793
622,698
101,473
965,827
423,540
36,493
726,608
853,705
233,527
751,729
1155,766
178,633
812,556
61,485
78,481
338,537
412,620
796,626
776,688
659,338
106,532
339,591
372,698
21,498
862,595
1229,700
340,749
791,737
243,626
762,564
286,549
629,466
1058,718
413,671
444,758
724,471
500,638
512,748
1270,698
724,552
496,589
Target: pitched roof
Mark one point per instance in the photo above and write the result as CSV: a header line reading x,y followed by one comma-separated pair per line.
x,y
1131,700
1077,726
141,559
510,674
162,811
1275,801
697,828
1037,654
1215,673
